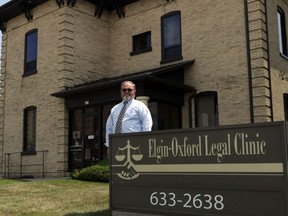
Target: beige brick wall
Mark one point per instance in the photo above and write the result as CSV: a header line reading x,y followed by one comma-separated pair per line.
x,y
2,97
278,64
35,90
75,47
260,76
213,33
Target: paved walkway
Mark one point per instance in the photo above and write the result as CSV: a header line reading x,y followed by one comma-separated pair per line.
x,y
45,179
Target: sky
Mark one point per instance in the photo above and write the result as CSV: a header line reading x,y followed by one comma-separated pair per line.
x,y
3,2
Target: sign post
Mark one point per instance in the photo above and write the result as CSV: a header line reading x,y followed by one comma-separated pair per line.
x,y
233,170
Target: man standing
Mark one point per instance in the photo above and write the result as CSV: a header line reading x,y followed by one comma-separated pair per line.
x,y
128,116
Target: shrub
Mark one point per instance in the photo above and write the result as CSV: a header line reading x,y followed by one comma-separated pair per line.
x,y
104,162
95,173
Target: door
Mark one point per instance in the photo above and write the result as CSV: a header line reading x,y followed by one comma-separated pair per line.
x,y
91,144
84,144
75,141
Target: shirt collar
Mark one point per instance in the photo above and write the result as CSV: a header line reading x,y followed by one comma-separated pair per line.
x,y
128,102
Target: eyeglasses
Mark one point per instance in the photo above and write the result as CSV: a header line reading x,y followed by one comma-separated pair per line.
x,y
125,90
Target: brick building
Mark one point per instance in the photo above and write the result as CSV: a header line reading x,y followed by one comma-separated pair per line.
x,y
198,63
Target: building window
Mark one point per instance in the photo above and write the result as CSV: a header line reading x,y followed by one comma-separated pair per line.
x,y
286,106
282,32
29,145
206,107
171,37
141,43
165,116
30,63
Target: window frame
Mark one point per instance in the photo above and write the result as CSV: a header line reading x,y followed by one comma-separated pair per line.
x,y
285,101
282,32
164,57
29,49
215,108
139,39
29,148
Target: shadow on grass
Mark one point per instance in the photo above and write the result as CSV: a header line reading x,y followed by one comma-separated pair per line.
x,y
105,212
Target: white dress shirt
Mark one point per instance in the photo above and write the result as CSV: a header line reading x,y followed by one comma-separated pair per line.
x,y
137,118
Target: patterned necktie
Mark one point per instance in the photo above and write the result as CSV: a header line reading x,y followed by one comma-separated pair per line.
x,y
118,127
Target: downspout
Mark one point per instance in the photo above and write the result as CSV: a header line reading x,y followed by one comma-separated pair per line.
x,y
190,108
268,62
249,62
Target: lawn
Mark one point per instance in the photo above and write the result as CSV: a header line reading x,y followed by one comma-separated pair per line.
x,y
54,197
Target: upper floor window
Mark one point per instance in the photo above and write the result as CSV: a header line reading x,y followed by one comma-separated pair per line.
x,y
141,43
30,63
171,37
206,107
29,142
282,32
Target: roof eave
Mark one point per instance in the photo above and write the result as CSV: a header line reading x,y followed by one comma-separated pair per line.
x,y
15,8
143,75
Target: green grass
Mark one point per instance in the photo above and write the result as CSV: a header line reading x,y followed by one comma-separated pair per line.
x,y
54,197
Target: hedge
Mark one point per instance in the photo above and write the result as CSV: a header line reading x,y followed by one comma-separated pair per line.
x,y
95,173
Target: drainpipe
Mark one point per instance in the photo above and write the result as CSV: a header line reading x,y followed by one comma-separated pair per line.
x,y
190,108
249,62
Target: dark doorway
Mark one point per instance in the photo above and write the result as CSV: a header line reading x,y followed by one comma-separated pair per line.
x,y
87,130
85,139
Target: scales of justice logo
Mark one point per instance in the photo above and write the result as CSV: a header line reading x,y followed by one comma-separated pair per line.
x,y
128,155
